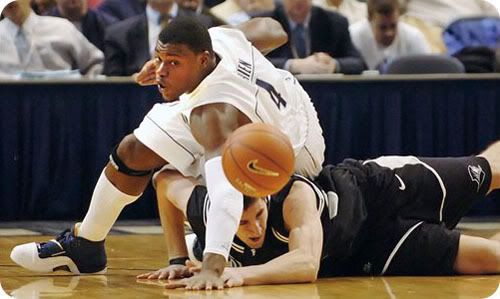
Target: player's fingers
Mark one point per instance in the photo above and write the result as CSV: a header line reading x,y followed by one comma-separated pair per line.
x,y
175,284
208,285
143,275
219,284
164,275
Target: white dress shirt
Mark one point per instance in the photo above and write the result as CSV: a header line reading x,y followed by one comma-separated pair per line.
x,y
154,26
353,10
408,41
54,45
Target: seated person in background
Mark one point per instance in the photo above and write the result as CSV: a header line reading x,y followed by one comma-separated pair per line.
x,y
201,11
128,44
122,9
43,7
32,43
235,12
382,37
353,10
318,41
393,215
432,16
90,22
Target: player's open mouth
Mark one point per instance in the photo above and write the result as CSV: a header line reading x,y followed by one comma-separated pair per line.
x,y
255,239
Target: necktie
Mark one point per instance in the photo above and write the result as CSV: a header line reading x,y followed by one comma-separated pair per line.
x,y
22,45
299,40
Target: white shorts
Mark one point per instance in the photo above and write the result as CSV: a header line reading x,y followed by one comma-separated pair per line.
x,y
165,131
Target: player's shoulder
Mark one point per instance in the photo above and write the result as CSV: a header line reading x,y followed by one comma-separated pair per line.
x,y
225,33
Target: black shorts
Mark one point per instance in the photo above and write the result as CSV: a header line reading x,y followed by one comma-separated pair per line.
x,y
412,210
196,213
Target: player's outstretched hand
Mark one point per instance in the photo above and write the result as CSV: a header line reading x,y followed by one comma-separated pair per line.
x,y
147,75
204,280
170,272
232,278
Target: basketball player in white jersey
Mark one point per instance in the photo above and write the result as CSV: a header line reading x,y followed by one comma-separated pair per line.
x,y
216,82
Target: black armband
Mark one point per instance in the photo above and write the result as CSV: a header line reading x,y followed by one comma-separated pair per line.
x,y
178,261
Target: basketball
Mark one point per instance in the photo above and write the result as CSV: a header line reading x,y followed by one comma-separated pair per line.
x,y
258,159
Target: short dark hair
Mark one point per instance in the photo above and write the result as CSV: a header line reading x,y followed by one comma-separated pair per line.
x,y
248,201
383,7
187,31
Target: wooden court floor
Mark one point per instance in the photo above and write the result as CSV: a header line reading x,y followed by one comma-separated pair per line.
x,y
129,255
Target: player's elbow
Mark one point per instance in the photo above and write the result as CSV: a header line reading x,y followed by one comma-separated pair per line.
x,y
278,34
311,271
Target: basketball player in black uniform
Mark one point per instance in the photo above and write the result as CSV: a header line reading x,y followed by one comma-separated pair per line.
x,y
388,216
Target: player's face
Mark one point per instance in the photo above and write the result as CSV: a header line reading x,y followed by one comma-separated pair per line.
x,y
179,70
253,223
17,11
385,28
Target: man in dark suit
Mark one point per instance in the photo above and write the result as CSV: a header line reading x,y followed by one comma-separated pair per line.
x,y
122,9
318,43
91,23
130,43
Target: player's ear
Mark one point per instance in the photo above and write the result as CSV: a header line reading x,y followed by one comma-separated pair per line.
x,y
205,58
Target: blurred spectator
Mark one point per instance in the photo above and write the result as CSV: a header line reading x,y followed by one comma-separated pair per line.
x,y
318,43
122,9
43,7
90,22
130,43
382,38
432,16
353,10
198,8
94,3
234,12
442,12
32,43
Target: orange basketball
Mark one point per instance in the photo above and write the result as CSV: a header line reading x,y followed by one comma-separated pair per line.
x,y
258,159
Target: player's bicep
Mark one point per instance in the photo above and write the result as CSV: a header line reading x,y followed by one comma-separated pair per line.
x,y
212,124
303,220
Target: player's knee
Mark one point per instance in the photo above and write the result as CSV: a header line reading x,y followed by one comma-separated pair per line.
x,y
136,155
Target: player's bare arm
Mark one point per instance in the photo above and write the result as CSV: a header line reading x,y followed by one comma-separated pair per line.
x,y
265,34
172,192
211,125
301,263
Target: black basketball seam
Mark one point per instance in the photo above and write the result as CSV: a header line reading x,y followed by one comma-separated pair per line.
x,y
265,156
243,171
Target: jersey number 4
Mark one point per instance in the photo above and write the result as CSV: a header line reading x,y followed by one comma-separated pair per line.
x,y
275,96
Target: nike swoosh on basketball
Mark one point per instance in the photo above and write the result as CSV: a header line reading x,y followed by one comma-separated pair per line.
x,y
402,185
253,167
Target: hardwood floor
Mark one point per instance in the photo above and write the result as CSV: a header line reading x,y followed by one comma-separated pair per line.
x,y
129,255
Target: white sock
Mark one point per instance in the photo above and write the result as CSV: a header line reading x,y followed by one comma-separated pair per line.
x,y
105,207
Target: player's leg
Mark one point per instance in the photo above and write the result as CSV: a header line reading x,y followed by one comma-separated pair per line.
x,y
81,249
477,255
162,133
492,155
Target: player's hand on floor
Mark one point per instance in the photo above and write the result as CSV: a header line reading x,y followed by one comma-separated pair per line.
x,y
147,75
204,280
170,272
232,278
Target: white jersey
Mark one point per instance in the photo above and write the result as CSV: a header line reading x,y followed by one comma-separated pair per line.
x,y
245,79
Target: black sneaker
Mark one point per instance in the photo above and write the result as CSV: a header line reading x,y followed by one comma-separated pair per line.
x,y
67,252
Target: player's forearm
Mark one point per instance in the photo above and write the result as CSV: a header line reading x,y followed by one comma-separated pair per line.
x,y
172,220
293,267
